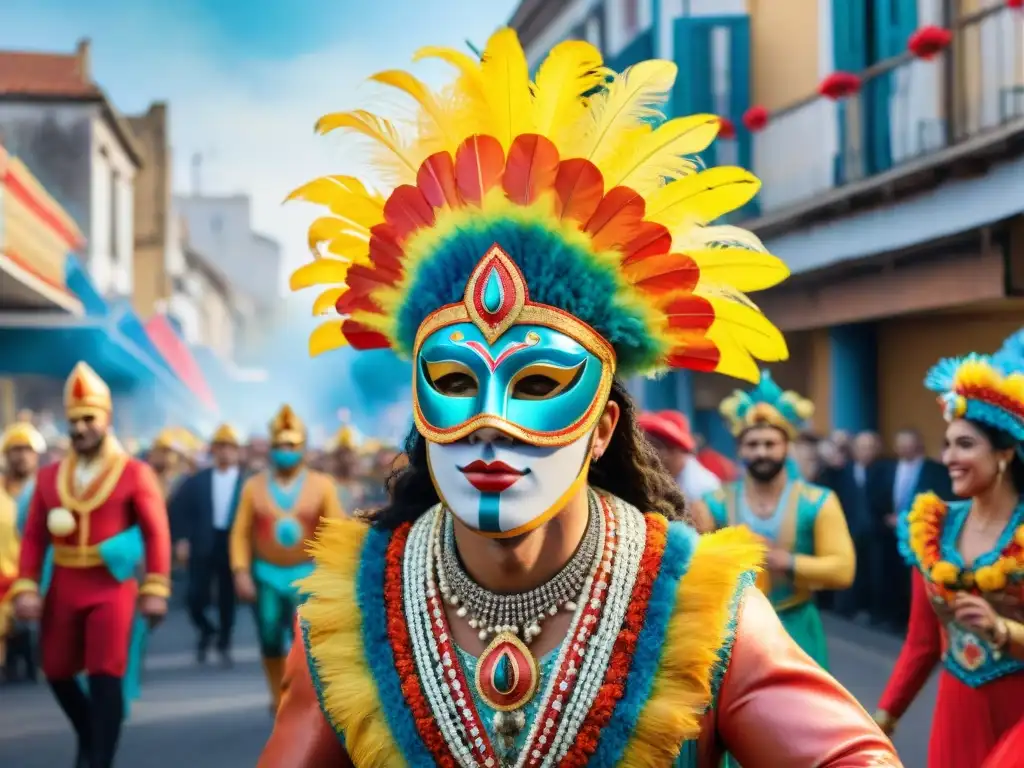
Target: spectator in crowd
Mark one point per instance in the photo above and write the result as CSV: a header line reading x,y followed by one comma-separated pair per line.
x,y
804,451
832,456
722,467
912,474
863,488
669,432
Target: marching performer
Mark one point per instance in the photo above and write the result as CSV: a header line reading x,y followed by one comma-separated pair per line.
x,y
967,558
344,465
100,509
521,598
278,511
21,445
809,545
167,457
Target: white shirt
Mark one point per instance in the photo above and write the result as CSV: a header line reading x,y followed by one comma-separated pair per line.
x,y
860,475
224,482
696,480
907,475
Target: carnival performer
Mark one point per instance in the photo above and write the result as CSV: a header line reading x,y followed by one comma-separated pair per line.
x,y
101,510
967,558
278,511
21,446
344,463
167,457
803,525
524,568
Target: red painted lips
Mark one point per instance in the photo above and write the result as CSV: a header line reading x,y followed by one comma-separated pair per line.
x,y
495,477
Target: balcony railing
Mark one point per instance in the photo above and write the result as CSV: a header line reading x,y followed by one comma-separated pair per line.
x,y
905,110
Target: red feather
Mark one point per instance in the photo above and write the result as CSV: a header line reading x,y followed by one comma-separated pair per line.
x,y
531,168
696,354
579,186
651,240
479,163
385,252
407,211
355,301
690,313
361,337
617,219
436,180
663,273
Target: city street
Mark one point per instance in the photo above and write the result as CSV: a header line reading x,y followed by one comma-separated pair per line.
x,y
213,718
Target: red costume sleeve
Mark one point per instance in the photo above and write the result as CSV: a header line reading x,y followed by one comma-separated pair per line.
x,y
151,517
302,737
778,707
34,542
921,652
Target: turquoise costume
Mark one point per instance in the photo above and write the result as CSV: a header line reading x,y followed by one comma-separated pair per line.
x,y
123,555
791,527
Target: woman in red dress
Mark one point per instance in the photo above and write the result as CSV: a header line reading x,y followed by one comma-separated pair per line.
x,y
968,572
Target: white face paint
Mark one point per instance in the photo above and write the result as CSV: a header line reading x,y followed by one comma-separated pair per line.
x,y
504,489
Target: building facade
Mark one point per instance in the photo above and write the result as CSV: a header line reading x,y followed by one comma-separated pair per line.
x,y
220,228
896,201
62,126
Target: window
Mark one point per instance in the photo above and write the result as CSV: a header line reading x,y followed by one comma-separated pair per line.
x,y
115,194
630,16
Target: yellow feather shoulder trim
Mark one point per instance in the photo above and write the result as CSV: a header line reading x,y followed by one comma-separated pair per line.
x,y
702,624
334,624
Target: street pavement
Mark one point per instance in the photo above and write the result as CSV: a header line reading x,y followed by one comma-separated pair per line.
x,y
207,717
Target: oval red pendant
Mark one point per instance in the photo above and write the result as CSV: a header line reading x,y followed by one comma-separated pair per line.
x,y
507,675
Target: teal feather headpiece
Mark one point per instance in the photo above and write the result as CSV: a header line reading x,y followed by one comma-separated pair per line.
x,y
767,405
977,387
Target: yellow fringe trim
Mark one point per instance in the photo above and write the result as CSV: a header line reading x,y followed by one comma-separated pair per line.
x,y
697,631
334,623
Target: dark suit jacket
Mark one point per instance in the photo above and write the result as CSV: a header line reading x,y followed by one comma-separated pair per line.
x,y
934,478
865,506
191,511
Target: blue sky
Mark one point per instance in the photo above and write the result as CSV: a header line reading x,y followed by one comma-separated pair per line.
x,y
246,81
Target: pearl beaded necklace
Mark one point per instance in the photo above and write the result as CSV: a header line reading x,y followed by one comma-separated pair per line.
x,y
582,661
492,613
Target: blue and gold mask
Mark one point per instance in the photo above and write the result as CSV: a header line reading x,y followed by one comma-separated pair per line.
x,y
532,372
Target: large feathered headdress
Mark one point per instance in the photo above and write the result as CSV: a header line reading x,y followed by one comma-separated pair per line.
x,y
593,197
973,387
767,405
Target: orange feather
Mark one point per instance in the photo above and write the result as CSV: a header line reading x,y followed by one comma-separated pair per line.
x,y
651,240
664,273
531,168
579,187
617,218
436,180
407,211
479,163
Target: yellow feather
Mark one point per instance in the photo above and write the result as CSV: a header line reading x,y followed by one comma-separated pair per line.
x,y
471,81
350,247
320,190
319,272
326,337
325,302
415,88
377,128
356,207
740,268
750,329
631,99
507,81
691,238
702,197
573,68
330,230
662,154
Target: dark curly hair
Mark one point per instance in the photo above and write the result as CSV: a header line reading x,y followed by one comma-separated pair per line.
x,y
629,468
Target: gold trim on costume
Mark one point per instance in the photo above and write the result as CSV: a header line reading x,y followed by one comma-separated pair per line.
x,y
76,557
156,585
96,493
21,586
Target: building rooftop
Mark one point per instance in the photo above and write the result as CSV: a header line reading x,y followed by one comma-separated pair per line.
x,y
33,75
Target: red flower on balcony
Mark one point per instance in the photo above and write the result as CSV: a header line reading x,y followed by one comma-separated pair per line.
x,y
928,42
755,118
839,85
726,128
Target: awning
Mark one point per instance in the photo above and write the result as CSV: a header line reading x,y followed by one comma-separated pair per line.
x,y
36,235
176,352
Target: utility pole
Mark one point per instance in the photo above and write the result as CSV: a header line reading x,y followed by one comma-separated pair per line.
x,y
197,165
